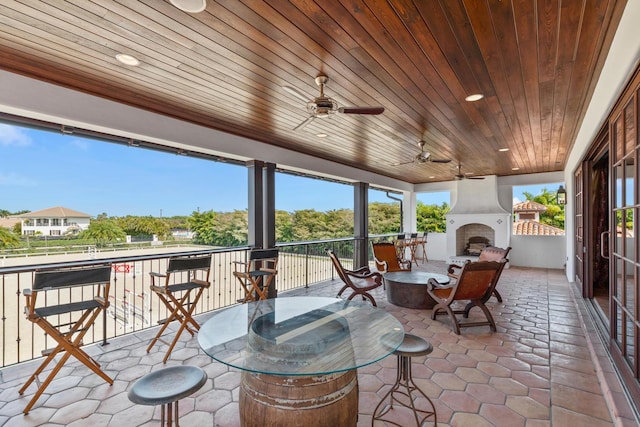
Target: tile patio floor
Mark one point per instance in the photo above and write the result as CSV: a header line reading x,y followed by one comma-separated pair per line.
x,y
544,367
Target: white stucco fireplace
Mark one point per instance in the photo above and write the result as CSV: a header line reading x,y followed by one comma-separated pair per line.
x,y
476,213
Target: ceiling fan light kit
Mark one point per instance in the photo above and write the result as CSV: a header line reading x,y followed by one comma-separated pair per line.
x,y
190,6
323,106
423,156
467,175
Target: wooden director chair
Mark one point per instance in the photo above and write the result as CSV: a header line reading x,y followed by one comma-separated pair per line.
x,y
257,274
58,322
176,292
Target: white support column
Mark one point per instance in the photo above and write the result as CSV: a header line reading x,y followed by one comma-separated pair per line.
x,y
409,204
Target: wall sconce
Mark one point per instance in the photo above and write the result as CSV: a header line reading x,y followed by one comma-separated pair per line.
x,y
561,196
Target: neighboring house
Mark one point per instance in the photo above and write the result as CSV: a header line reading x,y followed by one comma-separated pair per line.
x,y
9,222
56,221
527,220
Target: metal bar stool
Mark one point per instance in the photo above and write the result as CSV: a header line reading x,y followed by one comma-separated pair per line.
x,y
412,346
166,386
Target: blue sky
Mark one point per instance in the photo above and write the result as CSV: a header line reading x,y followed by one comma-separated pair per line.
x,y
40,169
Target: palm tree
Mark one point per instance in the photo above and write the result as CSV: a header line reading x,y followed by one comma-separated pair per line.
x,y
8,239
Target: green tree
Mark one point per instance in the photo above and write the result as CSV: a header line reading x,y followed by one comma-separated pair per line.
x,y
284,227
8,239
103,231
17,228
307,223
554,215
220,228
432,218
384,218
202,224
231,228
337,223
144,226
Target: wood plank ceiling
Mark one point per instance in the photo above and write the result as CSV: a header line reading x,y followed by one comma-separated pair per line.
x,y
535,62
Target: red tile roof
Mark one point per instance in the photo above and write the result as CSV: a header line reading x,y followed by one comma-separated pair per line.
x,y
535,228
529,206
55,212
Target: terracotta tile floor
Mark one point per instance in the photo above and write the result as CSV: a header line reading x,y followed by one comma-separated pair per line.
x,y
544,367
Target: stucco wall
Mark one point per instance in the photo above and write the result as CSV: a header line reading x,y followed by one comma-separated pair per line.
x,y
526,251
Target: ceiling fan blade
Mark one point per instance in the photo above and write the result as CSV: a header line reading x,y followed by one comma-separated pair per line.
x,y
361,110
475,177
304,123
404,163
297,93
440,160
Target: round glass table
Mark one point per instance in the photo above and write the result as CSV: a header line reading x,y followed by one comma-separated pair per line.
x,y
299,356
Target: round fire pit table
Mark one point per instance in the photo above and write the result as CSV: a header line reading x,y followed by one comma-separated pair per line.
x,y
409,288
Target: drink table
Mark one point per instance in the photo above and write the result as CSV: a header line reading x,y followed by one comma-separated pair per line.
x,y
409,288
299,356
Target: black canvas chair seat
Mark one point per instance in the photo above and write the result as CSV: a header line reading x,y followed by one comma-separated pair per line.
x,y
78,316
184,287
66,308
179,298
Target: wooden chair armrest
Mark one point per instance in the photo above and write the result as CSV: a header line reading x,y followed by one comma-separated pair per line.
x,y
433,284
452,269
361,270
379,264
366,275
154,274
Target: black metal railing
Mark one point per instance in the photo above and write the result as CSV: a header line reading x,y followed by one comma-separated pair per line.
x,y
133,307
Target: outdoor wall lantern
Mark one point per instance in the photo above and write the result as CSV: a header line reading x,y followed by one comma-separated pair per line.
x,y
561,196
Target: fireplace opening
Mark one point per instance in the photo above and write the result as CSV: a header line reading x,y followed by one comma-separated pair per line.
x,y
471,238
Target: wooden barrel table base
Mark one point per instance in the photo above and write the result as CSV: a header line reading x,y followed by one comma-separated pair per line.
x,y
318,400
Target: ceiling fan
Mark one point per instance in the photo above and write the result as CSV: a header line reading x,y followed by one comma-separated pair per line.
x,y
460,176
323,106
423,156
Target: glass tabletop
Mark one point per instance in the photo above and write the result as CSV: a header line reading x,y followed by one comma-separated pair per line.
x,y
300,335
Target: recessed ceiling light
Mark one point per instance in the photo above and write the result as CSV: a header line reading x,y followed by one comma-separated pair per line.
x,y
431,177
321,135
474,97
515,169
125,59
191,6
503,149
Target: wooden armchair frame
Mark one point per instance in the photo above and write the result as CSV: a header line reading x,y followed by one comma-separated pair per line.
x,y
490,253
77,319
360,281
177,296
475,282
387,259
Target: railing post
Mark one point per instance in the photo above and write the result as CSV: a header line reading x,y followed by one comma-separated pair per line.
x,y
306,266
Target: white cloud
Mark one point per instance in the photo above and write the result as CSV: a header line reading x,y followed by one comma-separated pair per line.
x,y
14,180
80,144
12,135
